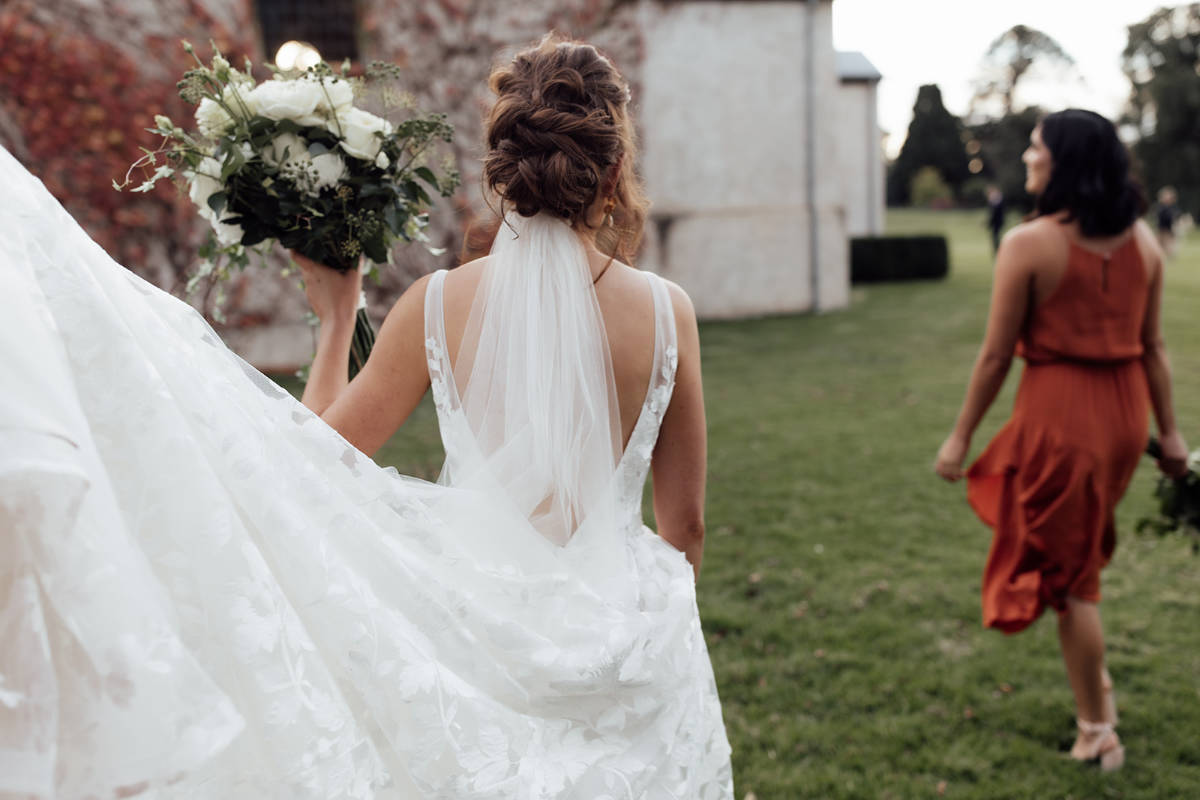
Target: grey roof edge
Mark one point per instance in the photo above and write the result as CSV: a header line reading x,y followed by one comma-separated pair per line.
x,y
854,66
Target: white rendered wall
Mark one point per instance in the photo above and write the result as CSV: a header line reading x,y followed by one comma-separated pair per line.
x,y
723,113
861,158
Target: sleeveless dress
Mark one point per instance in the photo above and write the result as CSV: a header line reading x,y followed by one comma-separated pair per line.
x,y
206,592
1049,481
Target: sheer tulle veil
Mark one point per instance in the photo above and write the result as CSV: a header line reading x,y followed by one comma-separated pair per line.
x,y
537,387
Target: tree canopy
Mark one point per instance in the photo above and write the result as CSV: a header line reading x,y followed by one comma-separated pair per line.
x,y
1012,56
1161,60
935,139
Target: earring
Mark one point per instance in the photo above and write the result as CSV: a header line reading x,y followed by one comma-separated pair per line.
x,y
609,206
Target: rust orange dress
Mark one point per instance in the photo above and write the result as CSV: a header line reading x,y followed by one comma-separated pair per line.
x,y
1049,481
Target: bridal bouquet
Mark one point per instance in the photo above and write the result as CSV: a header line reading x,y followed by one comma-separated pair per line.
x,y
1178,500
292,159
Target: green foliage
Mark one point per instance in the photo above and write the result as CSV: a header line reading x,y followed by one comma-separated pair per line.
x,y
928,189
377,202
363,215
935,139
840,590
1161,60
1001,142
368,192
1178,502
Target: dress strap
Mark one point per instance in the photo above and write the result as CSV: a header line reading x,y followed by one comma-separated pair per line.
x,y
666,352
437,355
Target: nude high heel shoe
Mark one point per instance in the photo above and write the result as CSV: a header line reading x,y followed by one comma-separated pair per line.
x,y
1098,742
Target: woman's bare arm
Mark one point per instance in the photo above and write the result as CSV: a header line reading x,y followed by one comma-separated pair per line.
x,y
1011,291
369,409
392,382
679,463
1158,370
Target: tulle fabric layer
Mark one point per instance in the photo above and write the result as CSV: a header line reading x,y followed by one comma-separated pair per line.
x,y
363,631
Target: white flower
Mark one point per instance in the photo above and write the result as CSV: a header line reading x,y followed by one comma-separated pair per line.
x,y
286,99
309,174
287,149
329,169
341,93
359,134
227,234
211,118
204,182
306,101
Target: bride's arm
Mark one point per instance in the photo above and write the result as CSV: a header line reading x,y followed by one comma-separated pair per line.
x,y
369,409
334,299
680,457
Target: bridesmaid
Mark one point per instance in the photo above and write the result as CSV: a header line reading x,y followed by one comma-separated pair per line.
x,y
1077,294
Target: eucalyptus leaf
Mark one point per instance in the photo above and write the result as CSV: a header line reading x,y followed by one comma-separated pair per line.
x,y
216,201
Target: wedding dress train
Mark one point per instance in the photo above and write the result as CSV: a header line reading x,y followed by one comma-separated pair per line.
x,y
205,592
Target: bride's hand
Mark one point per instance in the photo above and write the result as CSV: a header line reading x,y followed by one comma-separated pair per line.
x,y
950,457
333,295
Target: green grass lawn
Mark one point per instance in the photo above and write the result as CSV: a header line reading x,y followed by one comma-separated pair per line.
x,y
841,578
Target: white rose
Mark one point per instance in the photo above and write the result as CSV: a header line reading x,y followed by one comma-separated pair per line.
x,y
287,99
227,234
238,98
329,170
287,149
359,129
306,101
341,94
204,183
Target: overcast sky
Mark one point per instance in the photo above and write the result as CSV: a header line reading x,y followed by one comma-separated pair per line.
x,y
913,42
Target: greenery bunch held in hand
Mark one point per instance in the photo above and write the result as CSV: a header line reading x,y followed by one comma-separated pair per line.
x,y
1178,500
292,159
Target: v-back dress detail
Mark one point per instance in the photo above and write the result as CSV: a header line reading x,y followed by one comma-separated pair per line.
x,y
1049,481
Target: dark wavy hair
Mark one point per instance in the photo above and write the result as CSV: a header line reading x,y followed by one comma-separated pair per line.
x,y
1090,176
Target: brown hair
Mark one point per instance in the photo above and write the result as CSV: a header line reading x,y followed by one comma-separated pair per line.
x,y
559,124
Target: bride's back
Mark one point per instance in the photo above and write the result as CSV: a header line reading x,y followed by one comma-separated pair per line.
x,y
561,142
626,305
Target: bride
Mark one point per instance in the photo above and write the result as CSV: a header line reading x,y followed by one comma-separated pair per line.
x,y
209,591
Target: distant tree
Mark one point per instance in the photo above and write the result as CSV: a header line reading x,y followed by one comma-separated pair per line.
x,y
1008,60
999,143
928,189
1161,60
935,139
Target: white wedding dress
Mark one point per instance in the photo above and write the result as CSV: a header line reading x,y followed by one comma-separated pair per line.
x,y
205,592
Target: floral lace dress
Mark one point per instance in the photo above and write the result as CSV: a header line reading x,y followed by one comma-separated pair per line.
x,y
208,593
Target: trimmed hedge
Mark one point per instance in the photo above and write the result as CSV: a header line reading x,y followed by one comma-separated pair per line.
x,y
876,259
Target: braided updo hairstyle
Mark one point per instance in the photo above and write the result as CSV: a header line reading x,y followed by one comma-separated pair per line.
x,y
559,124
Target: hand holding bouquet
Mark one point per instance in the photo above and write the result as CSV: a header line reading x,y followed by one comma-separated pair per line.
x,y
293,160
1178,498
